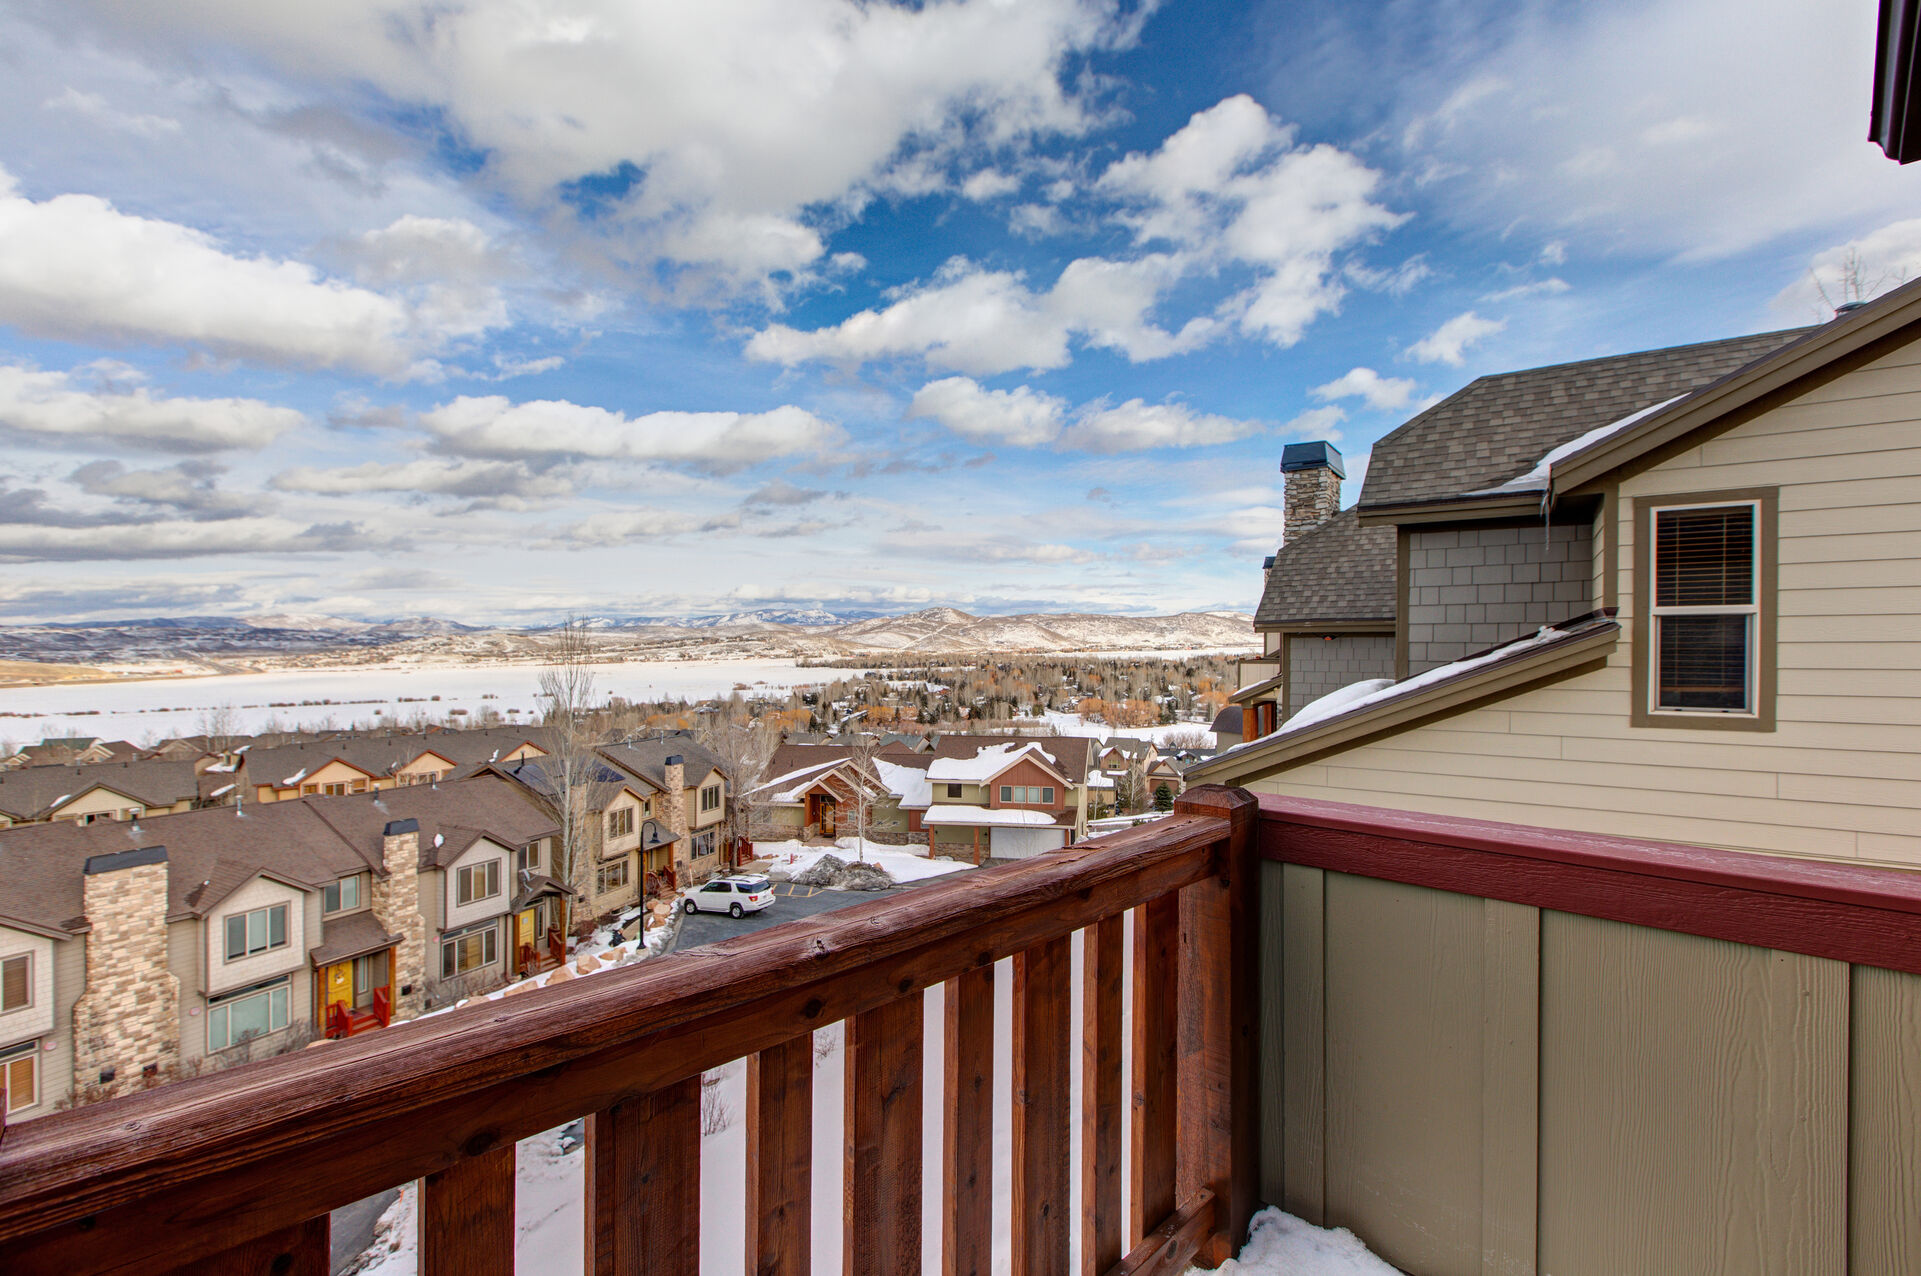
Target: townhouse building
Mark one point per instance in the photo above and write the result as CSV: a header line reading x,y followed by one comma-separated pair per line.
x,y
140,950
99,791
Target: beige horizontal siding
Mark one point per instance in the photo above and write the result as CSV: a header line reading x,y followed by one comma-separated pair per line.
x,y
1840,776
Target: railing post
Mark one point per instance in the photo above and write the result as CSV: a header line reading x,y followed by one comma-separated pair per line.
x,y
1219,1117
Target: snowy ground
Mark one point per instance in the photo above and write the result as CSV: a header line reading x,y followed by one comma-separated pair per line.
x,y
172,706
789,858
1071,724
551,1182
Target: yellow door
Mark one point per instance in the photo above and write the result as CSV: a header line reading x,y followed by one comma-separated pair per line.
x,y
523,929
339,985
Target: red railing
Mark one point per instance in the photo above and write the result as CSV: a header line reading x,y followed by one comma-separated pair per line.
x,y
238,1171
383,1006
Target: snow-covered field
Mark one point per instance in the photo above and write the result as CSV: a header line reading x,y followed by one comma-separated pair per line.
x,y
551,1182
172,706
904,866
1071,724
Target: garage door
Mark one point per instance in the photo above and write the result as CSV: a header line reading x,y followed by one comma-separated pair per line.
x,y
1019,843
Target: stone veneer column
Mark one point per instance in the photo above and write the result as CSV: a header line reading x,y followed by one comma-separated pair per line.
x,y
1312,474
128,1019
673,813
396,904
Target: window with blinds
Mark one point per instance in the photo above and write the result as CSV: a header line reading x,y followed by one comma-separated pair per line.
x,y
1705,608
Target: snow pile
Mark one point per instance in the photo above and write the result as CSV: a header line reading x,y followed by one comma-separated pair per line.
x,y
836,874
1281,1245
903,864
1335,701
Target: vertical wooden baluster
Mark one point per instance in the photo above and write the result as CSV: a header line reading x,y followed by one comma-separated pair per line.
x,y
1219,1122
967,1188
1043,1060
881,1232
1157,926
467,1216
780,1158
643,1187
300,1250
1102,984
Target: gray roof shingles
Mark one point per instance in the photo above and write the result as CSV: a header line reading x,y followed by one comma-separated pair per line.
x,y
1498,427
1339,572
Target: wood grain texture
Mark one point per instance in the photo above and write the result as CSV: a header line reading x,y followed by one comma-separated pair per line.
x,y
1042,1112
967,1153
650,1149
881,1221
1510,1086
1303,1014
1841,911
319,1121
1219,1101
780,1158
1694,1105
1168,1249
1273,1180
1884,1148
467,1216
1103,985
1404,1072
1151,1168
303,1250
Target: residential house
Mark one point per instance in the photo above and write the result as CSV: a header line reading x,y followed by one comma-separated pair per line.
x,y
71,751
347,764
1667,595
101,791
820,790
1007,799
155,947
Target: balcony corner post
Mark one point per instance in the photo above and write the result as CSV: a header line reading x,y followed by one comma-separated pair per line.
x,y
1219,1147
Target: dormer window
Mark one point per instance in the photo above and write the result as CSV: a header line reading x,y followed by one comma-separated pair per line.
x,y
342,896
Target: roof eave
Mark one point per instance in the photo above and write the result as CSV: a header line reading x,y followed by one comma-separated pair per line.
x,y
1454,509
1323,625
1441,698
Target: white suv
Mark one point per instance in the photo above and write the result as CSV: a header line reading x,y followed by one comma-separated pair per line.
x,y
736,896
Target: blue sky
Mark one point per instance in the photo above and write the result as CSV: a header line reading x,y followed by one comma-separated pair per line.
x,y
507,309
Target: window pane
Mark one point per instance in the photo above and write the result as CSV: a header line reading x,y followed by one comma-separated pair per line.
x,y
257,930
276,925
1704,662
1704,557
16,984
236,936
490,936
247,1017
1047,795
217,1037
19,1080
277,1009
447,961
350,893
330,898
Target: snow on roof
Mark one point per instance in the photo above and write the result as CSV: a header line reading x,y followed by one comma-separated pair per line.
x,y
1375,691
225,788
965,815
908,783
988,761
295,778
1537,478
797,782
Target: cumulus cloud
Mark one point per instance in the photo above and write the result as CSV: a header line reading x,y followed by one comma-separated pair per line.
x,y
1449,343
1316,424
781,492
75,267
189,488
1025,417
627,527
702,132
984,322
485,481
1858,270
175,539
496,427
115,408
1235,184
1386,393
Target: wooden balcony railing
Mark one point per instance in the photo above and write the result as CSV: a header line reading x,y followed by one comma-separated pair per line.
x,y
236,1172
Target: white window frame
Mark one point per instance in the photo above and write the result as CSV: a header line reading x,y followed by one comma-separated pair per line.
x,y
279,995
463,882
28,1003
26,1052
1752,690
226,926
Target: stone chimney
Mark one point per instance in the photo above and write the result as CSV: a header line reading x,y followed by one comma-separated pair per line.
x,y
673,809
126,1025
1313,475
396,905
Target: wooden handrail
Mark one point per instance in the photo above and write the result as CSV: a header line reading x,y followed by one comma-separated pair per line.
x,y
205,1166
1845,912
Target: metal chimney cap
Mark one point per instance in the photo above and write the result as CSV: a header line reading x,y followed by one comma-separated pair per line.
x,y
1312,456
675,759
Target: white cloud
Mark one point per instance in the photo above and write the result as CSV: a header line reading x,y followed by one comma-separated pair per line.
x,y
1693,128
984,322
479,480
494,426
1449,343
1858,270
1234,184
1553,285
1022,417
627,527
1316,424
1386,393
20,543
1025,417
75,267
989,183
59,405
93,107
722,122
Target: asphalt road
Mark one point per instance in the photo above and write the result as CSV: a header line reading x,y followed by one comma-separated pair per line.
x,y
790,902
353,1227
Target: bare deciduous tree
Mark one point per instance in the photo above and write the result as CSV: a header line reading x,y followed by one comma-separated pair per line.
x,y
220,725
744,747
567,688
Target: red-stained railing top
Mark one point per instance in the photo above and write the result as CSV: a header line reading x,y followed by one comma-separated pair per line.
x,y
1849,912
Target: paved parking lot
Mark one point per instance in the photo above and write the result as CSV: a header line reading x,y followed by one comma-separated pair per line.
x,y
790,902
